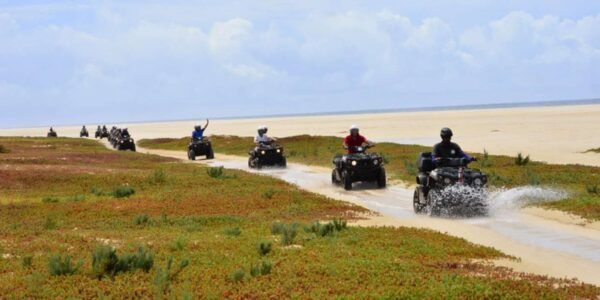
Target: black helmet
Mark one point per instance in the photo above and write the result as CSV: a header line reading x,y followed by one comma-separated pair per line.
x,y
446,132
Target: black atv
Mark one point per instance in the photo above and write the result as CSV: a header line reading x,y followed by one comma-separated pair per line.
x,y
358,166
52,134
83,133
267,154
125,143
450,187
200,147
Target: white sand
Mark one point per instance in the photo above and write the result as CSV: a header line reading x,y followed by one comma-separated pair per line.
x,y
556,134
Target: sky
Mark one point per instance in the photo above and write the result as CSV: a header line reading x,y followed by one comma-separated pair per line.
x,y
76,62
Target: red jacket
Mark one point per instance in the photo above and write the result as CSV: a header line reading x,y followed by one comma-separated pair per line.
x,y
351,141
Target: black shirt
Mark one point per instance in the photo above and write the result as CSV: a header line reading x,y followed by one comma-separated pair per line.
x,y
447,150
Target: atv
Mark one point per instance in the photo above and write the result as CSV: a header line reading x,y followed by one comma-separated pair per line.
x,y
358,166
125,143
52,134
267,154
449,186
200,147
83,133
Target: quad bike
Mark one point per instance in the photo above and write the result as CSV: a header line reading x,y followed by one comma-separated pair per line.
x,y
52,134
84,133
358,166
267,155
125,143
449,186
200,147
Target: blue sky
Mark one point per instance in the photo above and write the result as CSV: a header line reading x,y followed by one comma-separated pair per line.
x,y
72,62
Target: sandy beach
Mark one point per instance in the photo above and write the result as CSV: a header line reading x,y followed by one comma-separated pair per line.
x,y
557,134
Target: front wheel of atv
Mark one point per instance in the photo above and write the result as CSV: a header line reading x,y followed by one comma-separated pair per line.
x,y
284,162
133,148
191,155
347,181
417,206
433,203
381,179
210,154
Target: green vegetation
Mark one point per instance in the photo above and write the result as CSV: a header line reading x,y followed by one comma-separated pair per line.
x,y
182,251
595,150
521,160
3,149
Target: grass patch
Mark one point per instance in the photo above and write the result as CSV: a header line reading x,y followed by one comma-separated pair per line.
x,y
594,150
521,160
233,231
141,219
264,247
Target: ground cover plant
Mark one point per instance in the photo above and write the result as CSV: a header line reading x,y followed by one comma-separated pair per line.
x,y
189,234
503,171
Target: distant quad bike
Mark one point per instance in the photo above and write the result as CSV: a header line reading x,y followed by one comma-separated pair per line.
x,y
52,134
125,143
200,147
267,155
84,133
450,187
358,166
98,134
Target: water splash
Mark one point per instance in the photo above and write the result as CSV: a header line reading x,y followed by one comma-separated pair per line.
x,y
512,199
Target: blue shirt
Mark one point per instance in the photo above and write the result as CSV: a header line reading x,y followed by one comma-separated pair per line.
x,y
198,134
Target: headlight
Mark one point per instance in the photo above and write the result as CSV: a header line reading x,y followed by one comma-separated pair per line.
x,y
131,140
121,142
263,152
354,163
477,181
447,181
278,150
375,162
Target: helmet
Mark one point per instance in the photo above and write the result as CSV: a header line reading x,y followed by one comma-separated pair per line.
x,y
446,132
353,128
197,126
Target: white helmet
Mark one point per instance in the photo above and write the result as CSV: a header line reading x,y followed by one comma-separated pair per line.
x,y
353,127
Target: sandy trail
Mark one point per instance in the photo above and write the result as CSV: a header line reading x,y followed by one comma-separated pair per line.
x,y
557,134
544,246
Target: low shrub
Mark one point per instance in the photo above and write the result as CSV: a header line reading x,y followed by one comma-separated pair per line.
x,y
327,229
262,268
237,275
123,192
178,244
141,219
277,228
215,172
289,233
268,194
3,149
76,198
592,189
106,263
164,277
158,176
520,160
26,261
264,247
59,265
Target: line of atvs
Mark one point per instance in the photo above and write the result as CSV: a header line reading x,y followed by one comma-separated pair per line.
x,y
120,139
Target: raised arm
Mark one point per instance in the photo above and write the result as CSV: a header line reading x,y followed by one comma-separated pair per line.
x,y
206,125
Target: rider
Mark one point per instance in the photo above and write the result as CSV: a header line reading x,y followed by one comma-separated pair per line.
x,y
51,129
84,129
261,137
448,149
354,140
125,133
198,132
